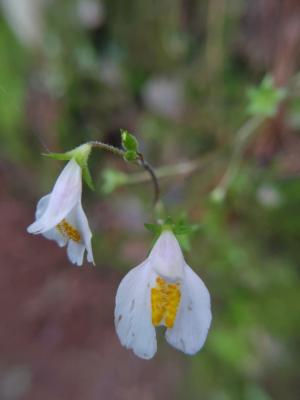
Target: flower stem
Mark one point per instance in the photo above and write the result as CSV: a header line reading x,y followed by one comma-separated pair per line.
x,y
107,147
147,167
139,161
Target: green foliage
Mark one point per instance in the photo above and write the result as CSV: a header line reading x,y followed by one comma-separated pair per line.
x,y
265,98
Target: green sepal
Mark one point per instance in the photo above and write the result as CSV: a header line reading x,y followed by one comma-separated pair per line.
x,y
80,154
130,155
156,229
87,177
58,156
129,142
185,229
181,229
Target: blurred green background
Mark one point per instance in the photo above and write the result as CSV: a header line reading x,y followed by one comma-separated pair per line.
x,y
177,75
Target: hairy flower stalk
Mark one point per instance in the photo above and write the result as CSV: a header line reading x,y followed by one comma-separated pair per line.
x,y
60,216
163,290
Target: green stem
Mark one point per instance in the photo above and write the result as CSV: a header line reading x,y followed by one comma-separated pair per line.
x,y
107,147
147,167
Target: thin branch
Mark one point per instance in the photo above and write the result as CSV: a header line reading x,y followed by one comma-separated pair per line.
x,y
107,147
152,174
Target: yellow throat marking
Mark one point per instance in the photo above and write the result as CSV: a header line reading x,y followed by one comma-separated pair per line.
x,y
68,231
165,299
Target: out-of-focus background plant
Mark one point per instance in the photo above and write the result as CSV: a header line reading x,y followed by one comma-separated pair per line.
x,y
211,90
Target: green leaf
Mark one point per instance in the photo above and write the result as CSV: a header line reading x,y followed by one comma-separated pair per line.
x,y
265,98
129,142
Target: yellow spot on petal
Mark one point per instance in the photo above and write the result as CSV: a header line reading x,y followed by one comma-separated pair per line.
x,y
68,231
165,299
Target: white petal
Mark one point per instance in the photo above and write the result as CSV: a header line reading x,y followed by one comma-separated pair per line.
x,y
82,225
42,206
133,312
166,257
65,194
194,316
52,234
78,220
75,252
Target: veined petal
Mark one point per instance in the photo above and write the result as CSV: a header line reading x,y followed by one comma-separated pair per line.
x,y
133,312
166,257
65,194
194,316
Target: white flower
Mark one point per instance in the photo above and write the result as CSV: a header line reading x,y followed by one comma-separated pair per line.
x,y
60,217
163,290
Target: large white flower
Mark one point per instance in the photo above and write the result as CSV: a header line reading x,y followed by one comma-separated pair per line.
x,y
60,216
163,290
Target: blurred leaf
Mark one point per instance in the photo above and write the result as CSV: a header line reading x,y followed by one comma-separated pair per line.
x,y
265,98
112,179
